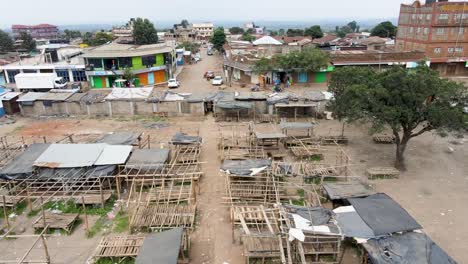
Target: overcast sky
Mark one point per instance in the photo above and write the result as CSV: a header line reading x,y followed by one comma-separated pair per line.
x,y
109,11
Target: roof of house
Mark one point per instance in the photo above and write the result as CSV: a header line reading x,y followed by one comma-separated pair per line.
x,y
54,97
267,40
288,40
374,56
33,26
22,165
326,39
126,50
30,96
129,93
9,95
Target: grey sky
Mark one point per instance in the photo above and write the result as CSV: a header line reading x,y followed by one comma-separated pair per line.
x,y
107,11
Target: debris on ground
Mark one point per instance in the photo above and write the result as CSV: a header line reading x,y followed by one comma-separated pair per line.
x,y
156,125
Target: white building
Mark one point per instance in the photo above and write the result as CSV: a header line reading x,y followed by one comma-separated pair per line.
x,y
203,30
66,62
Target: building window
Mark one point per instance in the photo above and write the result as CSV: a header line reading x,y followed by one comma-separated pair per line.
x,y
457,17
29,71
450,50
413,17
148,61
461,30
11,75
443,16
96,63
437,50
459,49
411,30
428,17
64,74
125,62
426,31
79,76
420,16
418,30
440,31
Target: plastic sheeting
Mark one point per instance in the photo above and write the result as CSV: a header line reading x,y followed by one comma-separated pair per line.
x,y
407,248
245,167
120,138
295,125
184,139
162,247
22,166
344,190
149,159
351,224
383,215
233,105
317,215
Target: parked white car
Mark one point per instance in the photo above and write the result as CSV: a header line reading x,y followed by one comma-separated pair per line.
x,y
173,83
217,80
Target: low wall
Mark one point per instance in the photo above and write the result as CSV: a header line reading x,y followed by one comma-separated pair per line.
x,y
113,108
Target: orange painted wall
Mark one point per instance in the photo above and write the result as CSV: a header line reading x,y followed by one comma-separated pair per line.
x,y
143,77
104,82
159,76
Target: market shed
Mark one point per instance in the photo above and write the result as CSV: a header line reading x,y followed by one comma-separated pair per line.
x,y
22,166
245,167
297,129
120,138
411,247
147,159
53,103
383,215
164,247
233,110
183,139
296,109
27,103
9,101
336,191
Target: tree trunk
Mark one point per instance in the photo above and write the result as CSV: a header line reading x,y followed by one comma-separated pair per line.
x,y
400,150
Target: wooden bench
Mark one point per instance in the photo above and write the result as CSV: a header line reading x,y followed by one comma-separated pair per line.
x,y
374,173
56,221
383,139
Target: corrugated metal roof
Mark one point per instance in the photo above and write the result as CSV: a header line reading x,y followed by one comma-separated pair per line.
x,y
114,154
55,97
30,97
70,155
129,93
8,96
126,50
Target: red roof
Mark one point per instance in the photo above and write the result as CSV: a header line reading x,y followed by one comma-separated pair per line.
x,y
33,26
287,40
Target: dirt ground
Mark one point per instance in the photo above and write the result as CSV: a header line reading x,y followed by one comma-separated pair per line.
x,y
433,189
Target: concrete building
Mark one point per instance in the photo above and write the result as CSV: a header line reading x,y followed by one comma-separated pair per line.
x,y
41,31
203,30
64,60
440,29
151,64
181,33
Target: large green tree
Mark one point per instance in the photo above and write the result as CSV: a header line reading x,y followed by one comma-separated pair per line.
x,y
218,39
100,38
28,43
384,30
6,43
410,103
314,31
144,32
292,32
236,30
247,37
191,46
71,34
309,59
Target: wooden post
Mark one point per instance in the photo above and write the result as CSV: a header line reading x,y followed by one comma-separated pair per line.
x,y
102,194
5,212
117,184
45,249
70,138
29,199
45,139
139,142
85,214
342,129
149,144
43,213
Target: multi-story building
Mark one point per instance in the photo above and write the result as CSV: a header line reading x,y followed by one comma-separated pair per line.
x,y
151,64
203,30
440,29
41,31
64,60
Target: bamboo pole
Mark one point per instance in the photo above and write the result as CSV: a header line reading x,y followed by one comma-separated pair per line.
x,y
85,214
5,213
45,249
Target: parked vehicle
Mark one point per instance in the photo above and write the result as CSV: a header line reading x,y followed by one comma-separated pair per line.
x,y
209,52
218,80
173,83
209,75
40,82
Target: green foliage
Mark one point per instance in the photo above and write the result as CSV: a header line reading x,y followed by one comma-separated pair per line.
x,y
191,46
309,59
97,227
6,42
314,31
294,32
115,260
128,75
281,32
384,30
236,30
247,37
18,209
71,34
144,32
28,43
71,207
97,39
410,103
351,27
250,31
121,223
218,39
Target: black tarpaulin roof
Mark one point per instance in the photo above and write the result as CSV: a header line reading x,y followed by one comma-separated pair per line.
x,y
184,139
161,248
22,165
244,167
383,215
120,138
406,248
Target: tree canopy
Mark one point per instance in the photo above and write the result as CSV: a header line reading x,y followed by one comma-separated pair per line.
x,y
218,39
384,30
294,32
71,34
351,27
100,38
6,43
144,32
247,37
410,103
308,59
314,31
236,30
28,43
191,46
